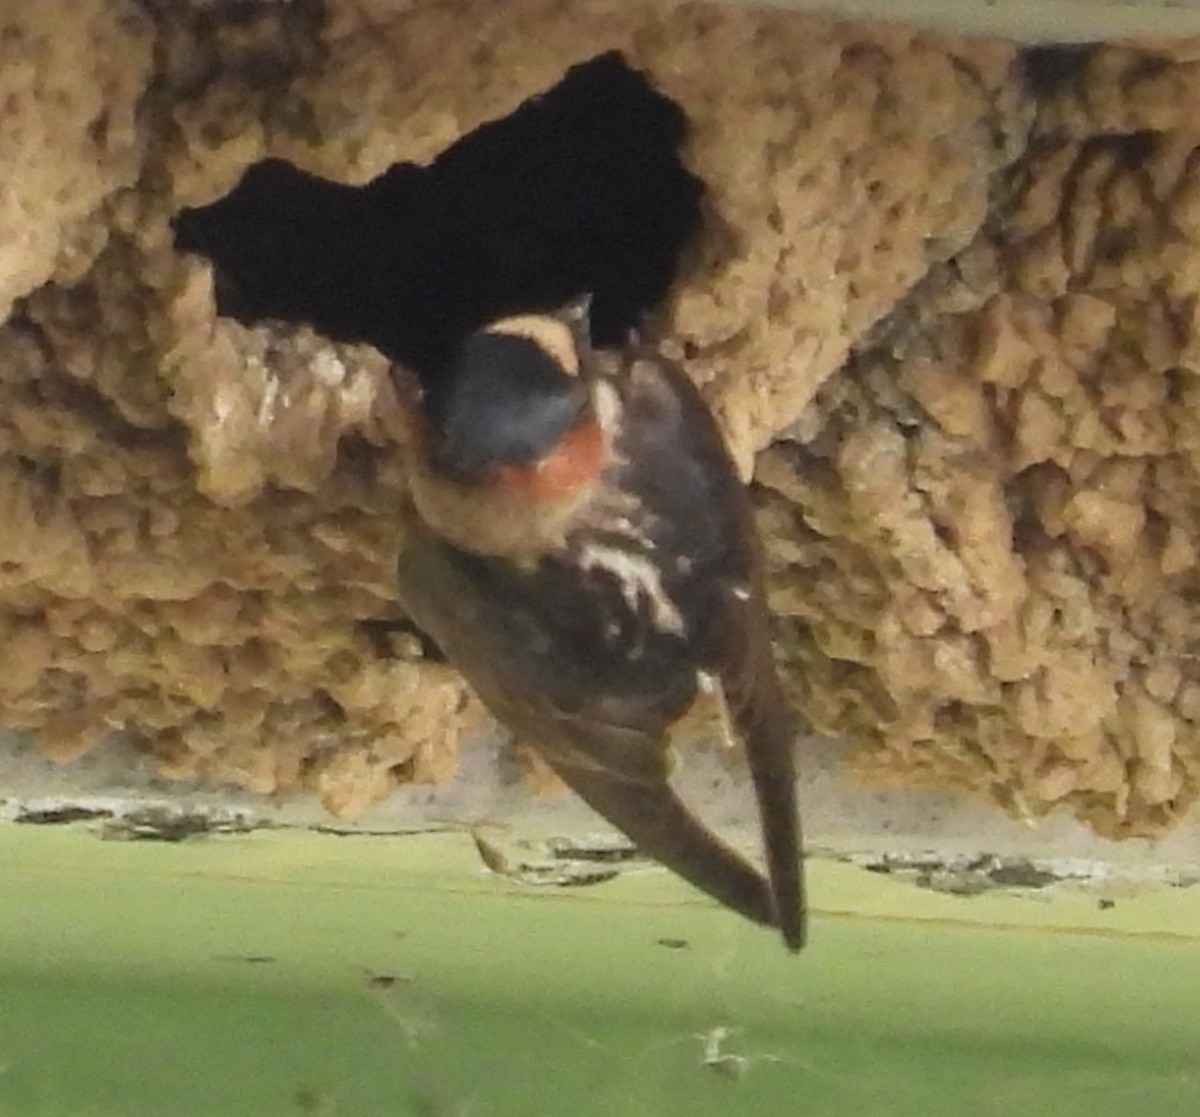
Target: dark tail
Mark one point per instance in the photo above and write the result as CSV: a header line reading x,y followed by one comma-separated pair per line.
x,y
768,732
775,786
653,817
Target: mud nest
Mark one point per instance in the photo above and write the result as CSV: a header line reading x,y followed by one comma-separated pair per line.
x,y
943,304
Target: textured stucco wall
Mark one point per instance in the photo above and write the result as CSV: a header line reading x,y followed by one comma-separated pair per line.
x,y
944,311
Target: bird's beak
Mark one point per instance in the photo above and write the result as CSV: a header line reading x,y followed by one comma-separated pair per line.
x,y
577,317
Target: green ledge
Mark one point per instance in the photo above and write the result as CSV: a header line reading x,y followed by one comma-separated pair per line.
x,y
292,973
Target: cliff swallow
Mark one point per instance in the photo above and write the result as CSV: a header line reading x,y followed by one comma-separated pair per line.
x,y
583,552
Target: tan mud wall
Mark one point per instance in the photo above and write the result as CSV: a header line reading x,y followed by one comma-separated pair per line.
x,y
950,324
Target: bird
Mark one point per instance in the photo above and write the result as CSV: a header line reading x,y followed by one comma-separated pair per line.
x,y
580,547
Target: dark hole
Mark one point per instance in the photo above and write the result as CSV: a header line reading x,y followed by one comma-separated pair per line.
x,y
945,534
1131,149
1175,381
1051,70
580,190
1114,245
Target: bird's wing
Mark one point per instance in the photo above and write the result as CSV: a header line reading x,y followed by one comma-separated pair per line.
x,y
687,469
620,771
651,815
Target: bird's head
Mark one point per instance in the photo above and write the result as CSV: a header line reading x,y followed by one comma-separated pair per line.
x,y
506,446
513,408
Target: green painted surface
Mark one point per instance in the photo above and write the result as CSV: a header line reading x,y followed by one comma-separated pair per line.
x,y
290,974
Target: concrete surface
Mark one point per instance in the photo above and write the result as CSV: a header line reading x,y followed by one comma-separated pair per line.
x,y
942,841
1027,20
